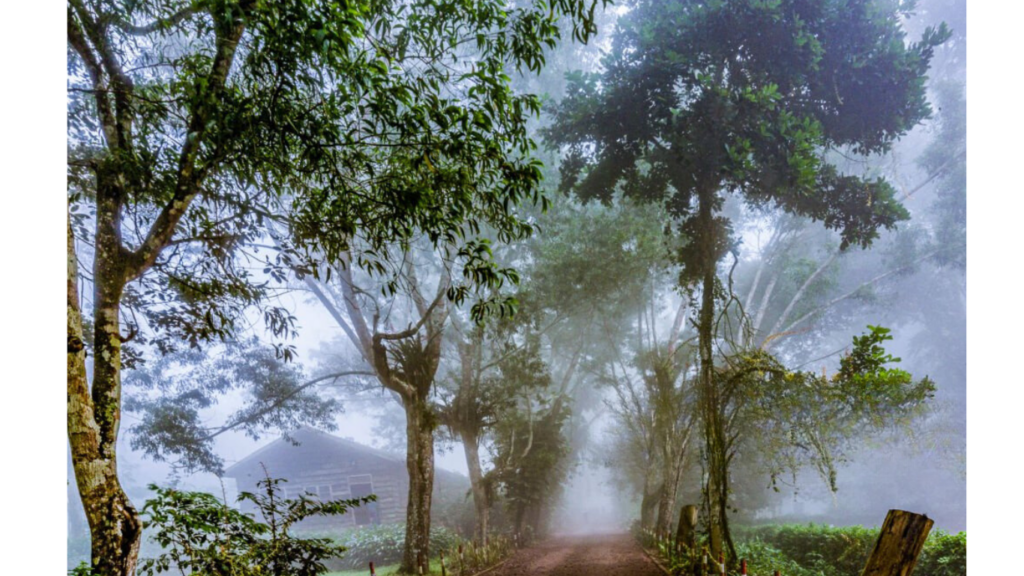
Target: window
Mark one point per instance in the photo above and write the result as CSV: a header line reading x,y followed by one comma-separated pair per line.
x,y
359,487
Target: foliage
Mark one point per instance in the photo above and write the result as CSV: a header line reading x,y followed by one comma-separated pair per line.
x,y
815,549
381,545
945,160
944,555
201,534
171,393
799,418
700,98
531,463
83,569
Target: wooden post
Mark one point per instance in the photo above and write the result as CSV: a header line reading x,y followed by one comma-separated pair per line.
x,y
686,533
899,543
372,572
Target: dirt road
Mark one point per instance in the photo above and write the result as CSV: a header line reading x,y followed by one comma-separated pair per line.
x,y
605,555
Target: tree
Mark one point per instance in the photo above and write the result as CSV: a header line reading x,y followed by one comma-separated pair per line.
x,y
170,393
192,124
405,363
698,99
496,364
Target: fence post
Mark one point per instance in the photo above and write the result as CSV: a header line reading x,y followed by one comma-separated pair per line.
x,y
899,543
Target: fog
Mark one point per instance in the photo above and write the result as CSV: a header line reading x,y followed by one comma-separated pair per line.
x,y
582,413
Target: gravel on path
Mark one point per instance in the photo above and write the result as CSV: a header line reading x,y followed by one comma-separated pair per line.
x,y
602,555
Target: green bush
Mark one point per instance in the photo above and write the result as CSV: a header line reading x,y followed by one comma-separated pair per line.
x,y
943,555
763,558
814,549
381,544
825,550
199,534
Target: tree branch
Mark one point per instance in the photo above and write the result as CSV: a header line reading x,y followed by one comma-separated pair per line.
x,y
186,188
159,24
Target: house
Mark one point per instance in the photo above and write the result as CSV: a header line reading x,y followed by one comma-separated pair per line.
x,y
329,467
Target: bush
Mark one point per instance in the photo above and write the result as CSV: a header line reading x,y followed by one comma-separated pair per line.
x,y
199,534
381,544
763,558
815,549
825,550
943,555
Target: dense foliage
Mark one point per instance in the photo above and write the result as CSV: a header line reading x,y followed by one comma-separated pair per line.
x,y
381,545
814,550
840,551
200,534
194,126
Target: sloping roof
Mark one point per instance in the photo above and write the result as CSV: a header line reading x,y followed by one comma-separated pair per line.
x,y
307,432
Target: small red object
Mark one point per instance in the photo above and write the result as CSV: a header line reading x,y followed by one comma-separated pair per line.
x,y
372,572
743,567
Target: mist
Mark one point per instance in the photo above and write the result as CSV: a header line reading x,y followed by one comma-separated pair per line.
x,y
646,259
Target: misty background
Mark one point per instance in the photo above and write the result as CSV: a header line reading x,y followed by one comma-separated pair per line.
x,y
899,283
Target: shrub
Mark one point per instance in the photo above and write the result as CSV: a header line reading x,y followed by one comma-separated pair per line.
x,y
943,555
381,544
199,534
826,550
815,549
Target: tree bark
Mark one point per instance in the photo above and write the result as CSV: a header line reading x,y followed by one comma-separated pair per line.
x,y
899,543
709,401
665,506
649,504
420,464
471,444
686,533
93,420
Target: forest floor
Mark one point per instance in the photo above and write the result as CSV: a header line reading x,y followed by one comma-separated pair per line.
x,y
605,555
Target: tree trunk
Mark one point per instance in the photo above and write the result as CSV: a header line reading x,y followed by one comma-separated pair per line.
x,y
93,420
665,508
420,463
471,444
709,401
648,505
686,534
899,543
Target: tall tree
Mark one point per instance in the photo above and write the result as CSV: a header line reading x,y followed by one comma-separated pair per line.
x,y
405,363
191,121
495,365
702,98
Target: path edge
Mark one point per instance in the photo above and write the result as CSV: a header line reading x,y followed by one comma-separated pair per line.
x,y
656,561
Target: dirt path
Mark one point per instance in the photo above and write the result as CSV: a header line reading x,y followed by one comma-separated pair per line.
x,y
605,555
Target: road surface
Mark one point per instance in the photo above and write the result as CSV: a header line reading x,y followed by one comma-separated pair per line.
x,y
599,555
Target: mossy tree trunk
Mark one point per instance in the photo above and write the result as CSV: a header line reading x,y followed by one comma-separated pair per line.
x,y
93,420
94,410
